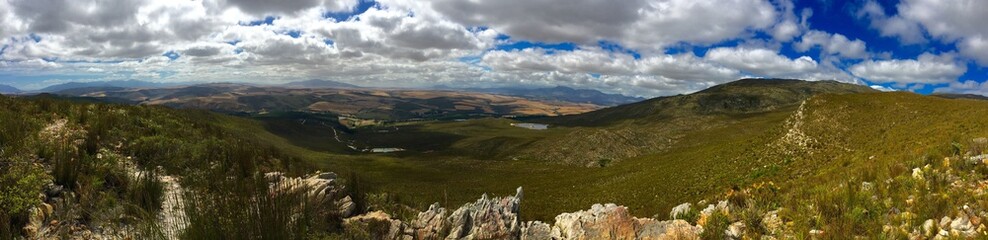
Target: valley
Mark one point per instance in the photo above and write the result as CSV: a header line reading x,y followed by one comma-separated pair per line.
x,y
649,156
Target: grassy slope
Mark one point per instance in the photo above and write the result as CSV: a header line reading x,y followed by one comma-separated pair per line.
x,y
849,129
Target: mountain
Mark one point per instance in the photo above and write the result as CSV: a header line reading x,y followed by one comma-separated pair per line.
x,y
738,97
960,96
115,84
559,93
783,158
319,83
4,89
379,104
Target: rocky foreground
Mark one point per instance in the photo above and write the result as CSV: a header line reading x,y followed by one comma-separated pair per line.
x,y
497,218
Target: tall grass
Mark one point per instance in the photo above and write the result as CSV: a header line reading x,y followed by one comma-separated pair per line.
x,y
248,209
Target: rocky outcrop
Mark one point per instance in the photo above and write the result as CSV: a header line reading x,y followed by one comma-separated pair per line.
x,y
610,221
486,218
497,218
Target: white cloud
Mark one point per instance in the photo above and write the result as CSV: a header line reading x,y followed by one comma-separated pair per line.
x,y
927,69
960,22
966,87
634,23
759,61
907,31
836,44
414,43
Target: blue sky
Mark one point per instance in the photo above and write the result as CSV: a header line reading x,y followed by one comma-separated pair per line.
x,y
628,47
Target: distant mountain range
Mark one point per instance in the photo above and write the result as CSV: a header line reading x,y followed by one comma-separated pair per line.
x,y
559,93
106,84
4,89
960,96
319,83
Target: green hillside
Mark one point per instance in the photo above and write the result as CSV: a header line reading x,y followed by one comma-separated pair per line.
x,y
807,137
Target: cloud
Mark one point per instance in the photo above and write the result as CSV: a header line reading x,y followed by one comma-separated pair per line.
x,y
966,87
262,7
634,23
927,69
960,22
908,32
761,62
835,44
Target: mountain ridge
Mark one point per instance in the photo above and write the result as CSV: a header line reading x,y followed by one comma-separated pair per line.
x,y
7,89
558,93
319,83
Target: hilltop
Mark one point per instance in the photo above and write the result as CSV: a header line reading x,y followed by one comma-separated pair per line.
x,y
4,89
105,84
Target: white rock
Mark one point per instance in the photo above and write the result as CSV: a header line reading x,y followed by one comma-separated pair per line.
x,y
679,211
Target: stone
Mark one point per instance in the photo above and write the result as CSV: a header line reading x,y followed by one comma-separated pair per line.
x,y
487,218
610,221
346,206
535,230
735,230
772,223
377,225
430,224
679,211
929,227
944,223
917,174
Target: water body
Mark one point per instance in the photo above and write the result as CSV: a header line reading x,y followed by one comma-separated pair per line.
x,y
533,126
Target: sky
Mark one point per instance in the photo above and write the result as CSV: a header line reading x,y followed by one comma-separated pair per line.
x,y
634,47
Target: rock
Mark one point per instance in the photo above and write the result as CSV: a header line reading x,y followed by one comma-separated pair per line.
x,y
945,223
607,221
735,230
867,186
962,226
430,224
679,211
346,207
815,233
274,176
36,220
535,231
917,174
772,223
610,221
486,218
929,226
320,186
374,225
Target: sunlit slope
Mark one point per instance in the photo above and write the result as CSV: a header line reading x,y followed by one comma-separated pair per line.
x,y
846,131
611,135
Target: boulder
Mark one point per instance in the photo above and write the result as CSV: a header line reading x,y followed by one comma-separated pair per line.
x,y
535,230
346,207
735,230
609,221
772,223
679,211
430,224
374,225
487,218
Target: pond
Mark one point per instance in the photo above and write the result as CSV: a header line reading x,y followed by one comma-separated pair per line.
x,y
533,126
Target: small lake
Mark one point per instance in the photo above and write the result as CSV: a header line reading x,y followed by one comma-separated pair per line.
x,y
532,126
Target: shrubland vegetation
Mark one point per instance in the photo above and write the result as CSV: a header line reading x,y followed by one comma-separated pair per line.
x,y
815,184
98,164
